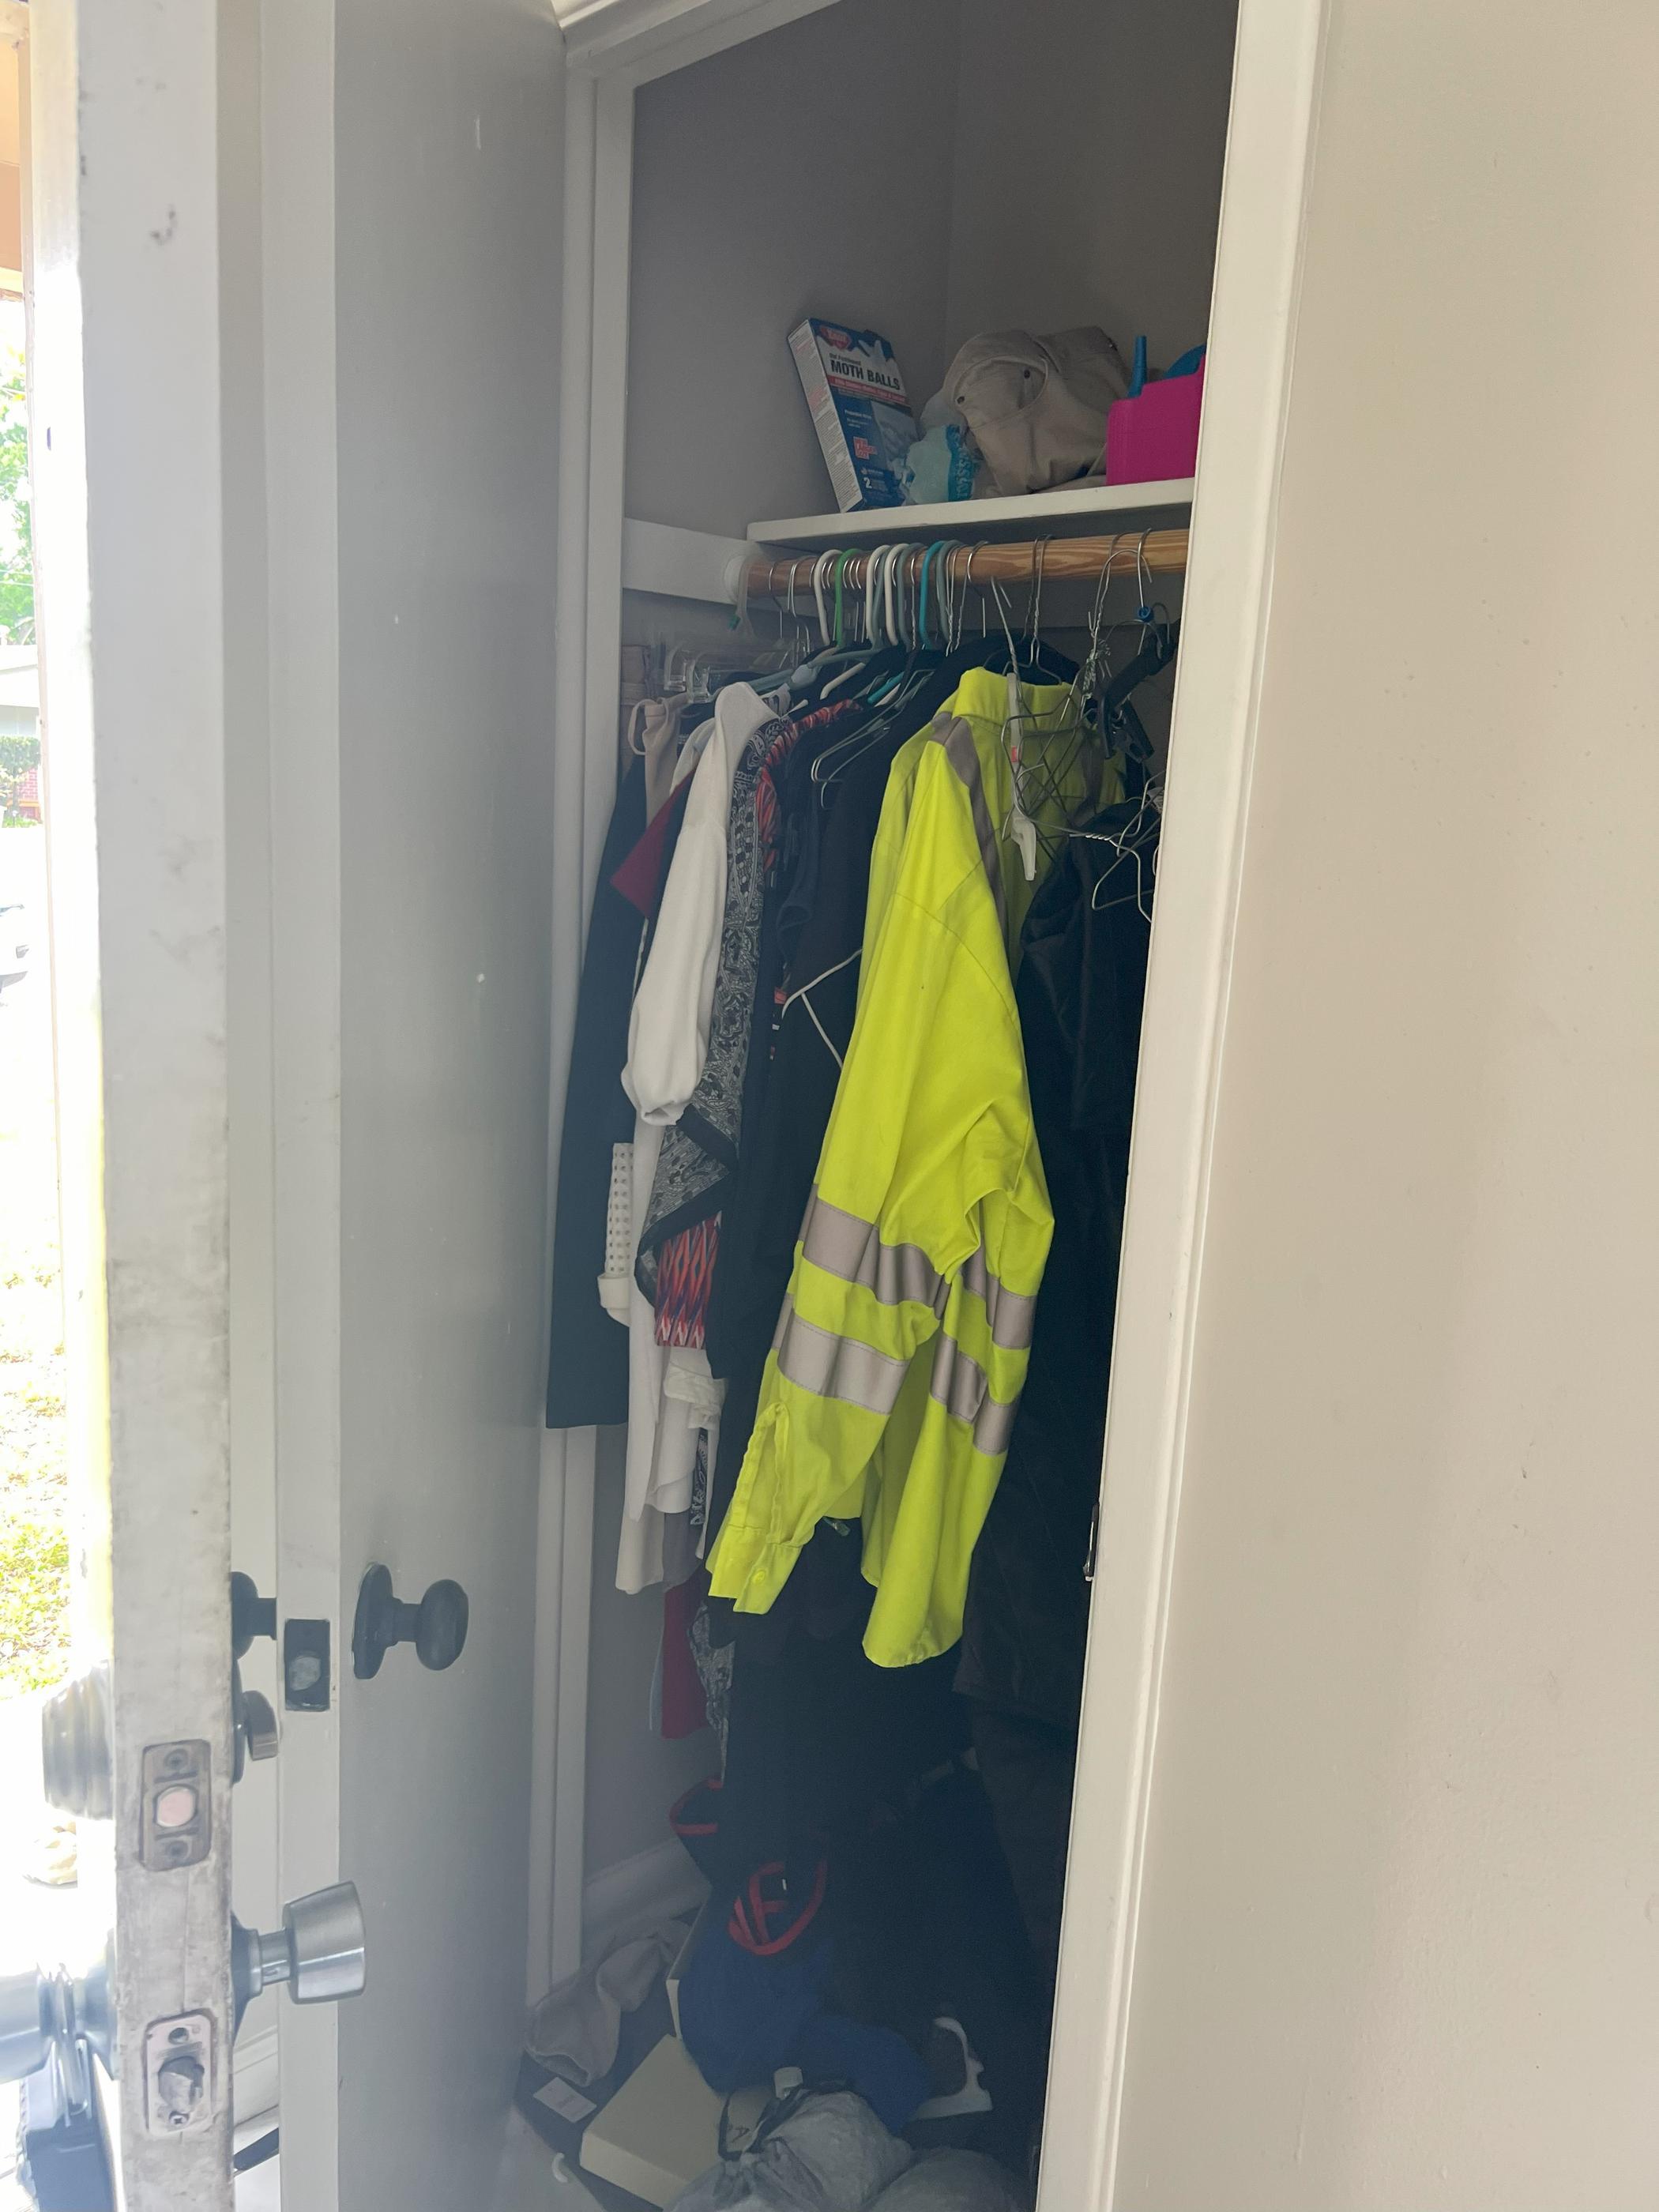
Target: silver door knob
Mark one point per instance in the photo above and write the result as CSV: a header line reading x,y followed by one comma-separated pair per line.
x,y
318,1951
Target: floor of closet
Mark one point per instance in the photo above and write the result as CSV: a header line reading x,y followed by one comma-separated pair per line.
x,y
869,942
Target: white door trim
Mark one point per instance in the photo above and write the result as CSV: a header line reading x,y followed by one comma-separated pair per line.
x,y
126,456
297,211
1270,153
616,45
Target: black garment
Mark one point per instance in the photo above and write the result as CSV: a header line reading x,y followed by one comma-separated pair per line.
x,y
824,890
587,1366
816,1735
774,1177
1082,981
1027,1767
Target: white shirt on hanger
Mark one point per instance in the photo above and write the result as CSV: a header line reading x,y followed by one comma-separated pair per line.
x,y
672,1398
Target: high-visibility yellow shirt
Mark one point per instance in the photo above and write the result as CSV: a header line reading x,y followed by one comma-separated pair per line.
x,y
891,1389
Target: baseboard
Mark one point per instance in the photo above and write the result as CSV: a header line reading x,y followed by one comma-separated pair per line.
x,y
654,1885
256,2075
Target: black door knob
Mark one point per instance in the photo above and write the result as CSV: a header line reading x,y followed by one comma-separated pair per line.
x,y
251,1615
436,1626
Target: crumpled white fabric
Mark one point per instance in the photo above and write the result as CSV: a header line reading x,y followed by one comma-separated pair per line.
x,y
690,1383
577,2027
831,2155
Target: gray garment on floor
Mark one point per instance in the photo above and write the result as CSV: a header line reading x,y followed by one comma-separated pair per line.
x,y
954,2181
831,2155
577,2026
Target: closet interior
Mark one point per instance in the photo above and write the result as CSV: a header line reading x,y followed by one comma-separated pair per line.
x,y
846,1132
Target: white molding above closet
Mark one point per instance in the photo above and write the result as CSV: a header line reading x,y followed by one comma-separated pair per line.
x,y
1066,511
647,36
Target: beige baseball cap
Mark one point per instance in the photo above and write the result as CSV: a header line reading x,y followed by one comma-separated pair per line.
x,y
1036,406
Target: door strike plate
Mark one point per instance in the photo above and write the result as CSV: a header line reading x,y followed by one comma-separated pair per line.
x,y
178,2075
306,1683
178,1816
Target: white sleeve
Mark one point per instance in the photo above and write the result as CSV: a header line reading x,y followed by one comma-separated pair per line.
x,y
668,1029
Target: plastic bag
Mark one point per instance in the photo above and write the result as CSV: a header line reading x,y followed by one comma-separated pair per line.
x,y
954,2181
809,2153
938,467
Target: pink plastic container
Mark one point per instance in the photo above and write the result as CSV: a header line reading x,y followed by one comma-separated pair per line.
x,y
1155,436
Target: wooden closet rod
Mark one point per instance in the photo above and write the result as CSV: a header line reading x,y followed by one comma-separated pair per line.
x,y
1048,559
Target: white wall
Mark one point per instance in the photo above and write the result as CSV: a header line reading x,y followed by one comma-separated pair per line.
x,y
1088,167
633,1775
806,173
930,167
737,236
1399,1944
448,180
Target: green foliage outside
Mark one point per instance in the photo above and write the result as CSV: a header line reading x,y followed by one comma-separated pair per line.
x,y
17,520
34,1596
17,756
35,1545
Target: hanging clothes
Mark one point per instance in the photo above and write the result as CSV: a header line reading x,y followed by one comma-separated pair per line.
x,y
587,1357
1081,988
903,1343
816,919
775,1180
700,1151
673,1400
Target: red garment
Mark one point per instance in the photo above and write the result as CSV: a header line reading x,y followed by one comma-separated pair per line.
x,y
685,1269
640,879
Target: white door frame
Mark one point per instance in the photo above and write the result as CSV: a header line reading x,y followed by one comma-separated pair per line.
x,y
613,48
616,45
125,454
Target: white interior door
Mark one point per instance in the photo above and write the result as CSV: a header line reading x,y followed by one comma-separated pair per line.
x,y
125,374
410,228
1398,1859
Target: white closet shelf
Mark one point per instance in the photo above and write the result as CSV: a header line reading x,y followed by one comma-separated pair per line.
x,y
1065,513
681,564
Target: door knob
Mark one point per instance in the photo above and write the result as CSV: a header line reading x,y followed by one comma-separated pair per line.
x,y
253,1718
251,1615
52,2013
318,1951
75,1748
436,1626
